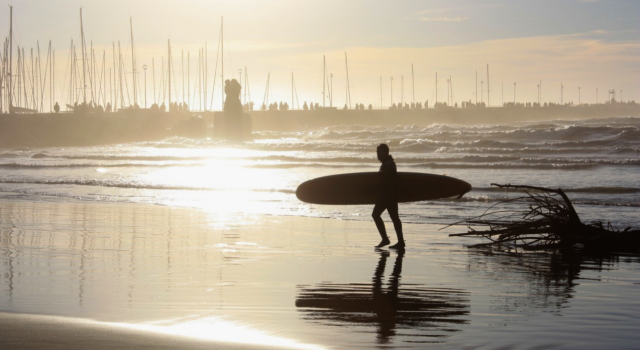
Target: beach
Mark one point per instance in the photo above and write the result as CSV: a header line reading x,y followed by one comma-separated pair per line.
x,y
192,242
138,275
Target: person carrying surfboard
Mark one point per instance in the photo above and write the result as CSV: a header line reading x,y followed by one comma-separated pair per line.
x,y
388,198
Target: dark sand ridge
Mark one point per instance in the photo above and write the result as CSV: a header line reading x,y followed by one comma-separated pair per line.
x,y
36,332
78,129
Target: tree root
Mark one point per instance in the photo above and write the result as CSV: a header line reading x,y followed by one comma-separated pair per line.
x,y
549,221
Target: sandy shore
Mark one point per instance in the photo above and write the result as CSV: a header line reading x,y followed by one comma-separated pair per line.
x,y
35,332
145,276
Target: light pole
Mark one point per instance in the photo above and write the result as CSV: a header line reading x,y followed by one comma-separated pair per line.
x,y
538,93
331,90
579,101
514,93
145,85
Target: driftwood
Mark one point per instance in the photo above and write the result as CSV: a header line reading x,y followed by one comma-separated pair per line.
x,y
549,221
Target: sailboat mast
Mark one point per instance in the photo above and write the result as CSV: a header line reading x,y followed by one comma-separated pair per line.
x,y
10,57
346,64
451,89
402,90
206,73
133,65
53,76
222,54
324,80
200,78
488,89
169,70
413,87
380,92
188,76
182,69
84,81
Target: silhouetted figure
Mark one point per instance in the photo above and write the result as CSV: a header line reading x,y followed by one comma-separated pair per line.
x,y
388,199
317,105
232,102
305,107
370,106
108,108
56,108
163,108
345,107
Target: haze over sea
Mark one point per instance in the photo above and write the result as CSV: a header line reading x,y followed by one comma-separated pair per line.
x,y
190,237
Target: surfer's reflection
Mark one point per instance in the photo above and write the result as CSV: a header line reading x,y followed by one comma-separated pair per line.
x,y
415,308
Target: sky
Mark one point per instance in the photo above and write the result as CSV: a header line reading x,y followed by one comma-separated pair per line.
x,y
582,45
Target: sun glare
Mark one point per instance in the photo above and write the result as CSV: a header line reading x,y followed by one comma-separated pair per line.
x,y
218,329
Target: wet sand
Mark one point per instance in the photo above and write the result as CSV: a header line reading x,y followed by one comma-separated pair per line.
x,y
35,332
150,275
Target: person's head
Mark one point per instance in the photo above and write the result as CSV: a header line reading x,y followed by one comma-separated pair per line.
x,y
383,152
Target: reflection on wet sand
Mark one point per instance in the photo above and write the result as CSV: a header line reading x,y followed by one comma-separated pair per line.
x,y
421,311
547,280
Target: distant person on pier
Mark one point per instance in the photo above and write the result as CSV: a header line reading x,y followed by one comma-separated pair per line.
x,y
317,105
56,108
163,108
370,106
388,198
345,107
305,107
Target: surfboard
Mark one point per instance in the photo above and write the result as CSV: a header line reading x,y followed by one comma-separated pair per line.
x,y
363,188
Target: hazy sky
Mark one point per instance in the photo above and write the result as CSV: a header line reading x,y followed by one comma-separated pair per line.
x,y
589,44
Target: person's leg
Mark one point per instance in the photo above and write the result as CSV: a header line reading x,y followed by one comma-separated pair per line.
x,y
392,208
377,211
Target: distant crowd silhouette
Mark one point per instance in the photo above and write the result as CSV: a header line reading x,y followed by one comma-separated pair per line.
x,y
284,106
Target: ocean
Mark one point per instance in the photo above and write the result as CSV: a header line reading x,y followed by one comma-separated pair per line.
x,y
595,161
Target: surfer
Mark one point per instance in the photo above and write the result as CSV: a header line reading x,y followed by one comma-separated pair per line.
x,y
388,198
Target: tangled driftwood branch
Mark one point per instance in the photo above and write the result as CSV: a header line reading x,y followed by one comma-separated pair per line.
x,y
549,221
